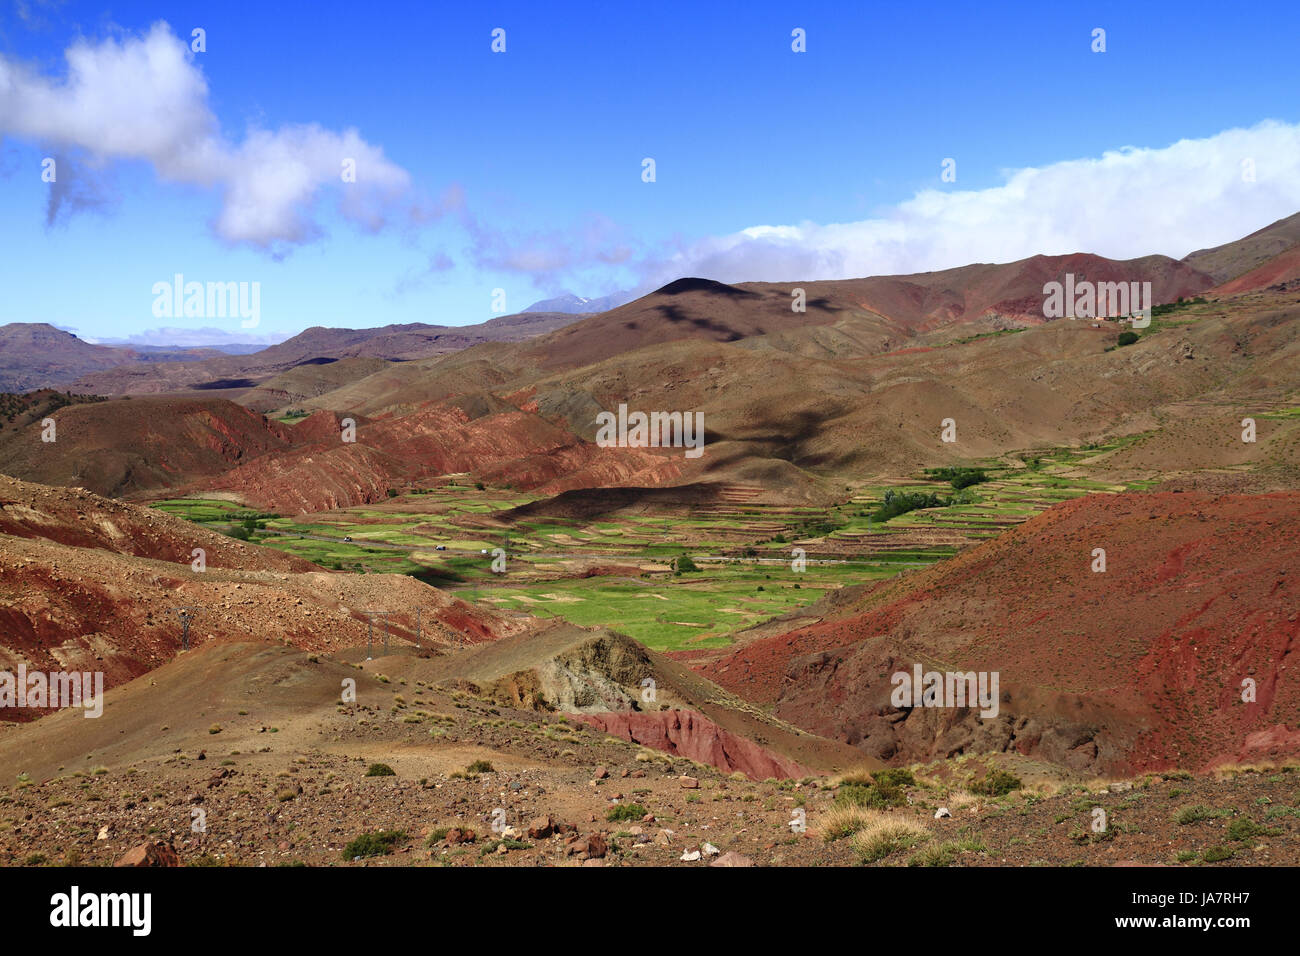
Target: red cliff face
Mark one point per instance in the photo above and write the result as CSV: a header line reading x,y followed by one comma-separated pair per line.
x,y
692,735
514,448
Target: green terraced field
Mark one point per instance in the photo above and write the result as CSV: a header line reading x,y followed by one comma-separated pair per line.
x,y
692,612
744,550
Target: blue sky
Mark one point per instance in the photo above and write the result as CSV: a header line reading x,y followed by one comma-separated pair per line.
x,y
523,170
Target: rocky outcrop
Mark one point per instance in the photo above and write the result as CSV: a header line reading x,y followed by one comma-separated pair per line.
x,y
692,735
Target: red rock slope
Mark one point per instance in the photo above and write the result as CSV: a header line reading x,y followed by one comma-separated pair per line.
x,y
1139,667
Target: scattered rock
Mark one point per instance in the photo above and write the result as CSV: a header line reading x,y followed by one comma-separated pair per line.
x,y
732,858
941,813
541,828
149,854
689,783
590,847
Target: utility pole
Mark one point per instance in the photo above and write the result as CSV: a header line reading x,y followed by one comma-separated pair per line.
x,y
186,614
370,631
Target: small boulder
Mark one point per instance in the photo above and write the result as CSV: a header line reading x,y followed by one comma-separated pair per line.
x,y
541,828
149,854
590,847
731,858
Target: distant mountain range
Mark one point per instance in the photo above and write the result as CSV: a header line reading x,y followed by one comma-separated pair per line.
x,y
37,355
867,316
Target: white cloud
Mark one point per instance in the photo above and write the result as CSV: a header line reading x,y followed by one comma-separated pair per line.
x,y
1128,203
144,99
170,335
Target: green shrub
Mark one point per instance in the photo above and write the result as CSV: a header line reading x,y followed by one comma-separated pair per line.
x,y
1127,338
996,783
958,477
480,766
508,844
884,789
379,843
1243,829
861,795
381,770
896,503
1197,813
625,811
894,777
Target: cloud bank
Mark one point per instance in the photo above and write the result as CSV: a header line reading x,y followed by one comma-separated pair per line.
x,y
1128,203
145,99
206,336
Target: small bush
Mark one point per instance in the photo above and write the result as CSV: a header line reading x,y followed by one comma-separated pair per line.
x,y
1216,854
508,844
842,821
381,770
996,783
1198,812
1127,338
379,843
884,834
894,777
625,811
1243,829
861,795
480,766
